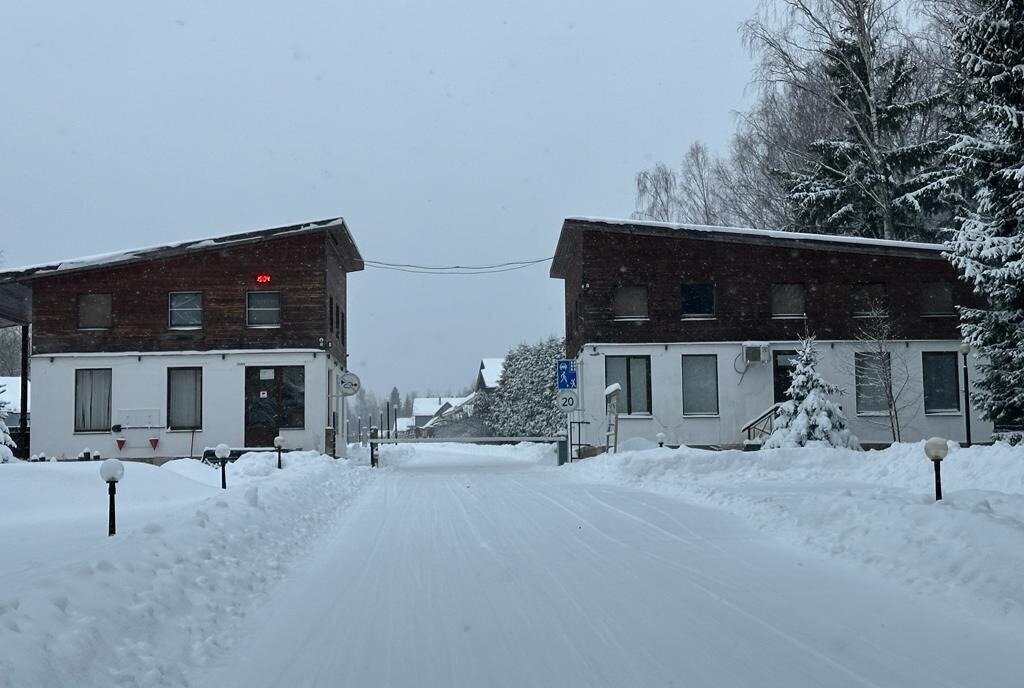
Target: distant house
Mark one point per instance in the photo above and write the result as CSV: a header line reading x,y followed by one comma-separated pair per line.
x,y
699,327
10,401
405,426
163,351
426,408
489,374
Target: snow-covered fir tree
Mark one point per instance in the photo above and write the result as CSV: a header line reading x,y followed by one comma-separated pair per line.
x,y
6,443
809,415
988,247
524,403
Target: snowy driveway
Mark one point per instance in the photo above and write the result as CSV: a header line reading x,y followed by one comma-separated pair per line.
x,y
512,574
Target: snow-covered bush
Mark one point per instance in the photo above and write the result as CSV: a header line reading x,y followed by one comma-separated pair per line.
x,y
809,415
524,403
6,443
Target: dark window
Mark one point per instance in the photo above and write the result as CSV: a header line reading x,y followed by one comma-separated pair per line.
x,y
937,298
941,384
873,378
92,400
263,308
783,363
698,300
343,322
293,397
184,398
700,385
787,300
185,309
869,300
337,320
331,314
94,312
630,303
633,373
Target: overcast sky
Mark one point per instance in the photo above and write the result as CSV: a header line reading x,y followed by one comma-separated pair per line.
x,y
444,133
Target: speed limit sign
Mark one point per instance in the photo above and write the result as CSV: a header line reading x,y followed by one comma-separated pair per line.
x,y
567,400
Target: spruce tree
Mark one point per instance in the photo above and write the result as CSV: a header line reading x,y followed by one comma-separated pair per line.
x,y
809,415
524,402
6,443
988,246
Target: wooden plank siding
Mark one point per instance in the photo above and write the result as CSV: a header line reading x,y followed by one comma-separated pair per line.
x,y
595,260
298,266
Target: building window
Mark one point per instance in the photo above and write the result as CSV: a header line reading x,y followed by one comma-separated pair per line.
x,y
873,378
263,309
937,299
698,301
633,373
331,311
293,397
700,385
344,331
941,384
869,300
94,312
185,309
184,398
337,320
787,300
630,303
92,400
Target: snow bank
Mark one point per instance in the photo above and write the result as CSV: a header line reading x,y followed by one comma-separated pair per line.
x,y
156,603
875,508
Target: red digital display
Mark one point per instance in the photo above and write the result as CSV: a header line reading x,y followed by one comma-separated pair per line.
x,y
263,278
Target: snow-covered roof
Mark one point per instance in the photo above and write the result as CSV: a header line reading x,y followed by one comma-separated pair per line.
x,y
177,248
10,395
405,424
490,371
428,406
737,233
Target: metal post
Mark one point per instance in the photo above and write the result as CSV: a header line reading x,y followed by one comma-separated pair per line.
x,y
938,479
279,458
23,418
223,474
389,419
967,405
111,490
374,447
359,431
563,450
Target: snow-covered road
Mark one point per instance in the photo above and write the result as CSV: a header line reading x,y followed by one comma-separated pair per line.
x,y
482,572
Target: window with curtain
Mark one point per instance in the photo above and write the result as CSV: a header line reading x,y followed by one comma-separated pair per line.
x,y
941,382
700,385
873,378
787,300
293,397
633,373
185,309
94,312
92,400
630,303
184,398
263,309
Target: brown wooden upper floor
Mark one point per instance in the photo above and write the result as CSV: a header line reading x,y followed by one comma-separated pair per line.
x,y
636,282
278,288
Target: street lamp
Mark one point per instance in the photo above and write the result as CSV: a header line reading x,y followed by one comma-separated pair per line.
x,y
965,349
278,443
936,449
661,439
111,471
222,452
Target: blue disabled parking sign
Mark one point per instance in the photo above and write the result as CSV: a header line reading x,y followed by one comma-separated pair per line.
x,y
565,373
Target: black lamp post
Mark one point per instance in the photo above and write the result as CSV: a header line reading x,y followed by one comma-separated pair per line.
x,y
965,349
936,449
222,453
278,443
111,471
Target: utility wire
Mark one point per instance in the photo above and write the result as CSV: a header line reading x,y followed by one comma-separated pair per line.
x,y
454,269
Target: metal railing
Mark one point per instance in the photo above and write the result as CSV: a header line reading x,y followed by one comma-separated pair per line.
x,y
375,441
763,424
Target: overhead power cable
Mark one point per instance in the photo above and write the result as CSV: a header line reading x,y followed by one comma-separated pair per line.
x,y
455,269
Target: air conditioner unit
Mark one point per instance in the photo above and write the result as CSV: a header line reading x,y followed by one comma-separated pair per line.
x,y
755,352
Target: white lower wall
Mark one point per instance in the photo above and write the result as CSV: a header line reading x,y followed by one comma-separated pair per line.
x,y
139,381
745,394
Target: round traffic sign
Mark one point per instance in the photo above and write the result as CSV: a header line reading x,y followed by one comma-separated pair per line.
x,y
348,384
567,400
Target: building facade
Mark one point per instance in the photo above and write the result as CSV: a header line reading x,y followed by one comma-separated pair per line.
x,y
165,351
699,325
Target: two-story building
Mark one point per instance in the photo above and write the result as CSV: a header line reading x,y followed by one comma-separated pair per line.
x,y
699,326
162,351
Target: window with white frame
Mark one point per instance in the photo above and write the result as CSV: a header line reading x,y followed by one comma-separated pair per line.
x,y
630,303
92,400
263,309
184,398
941,382
185,310
700,385
633,373
873,379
